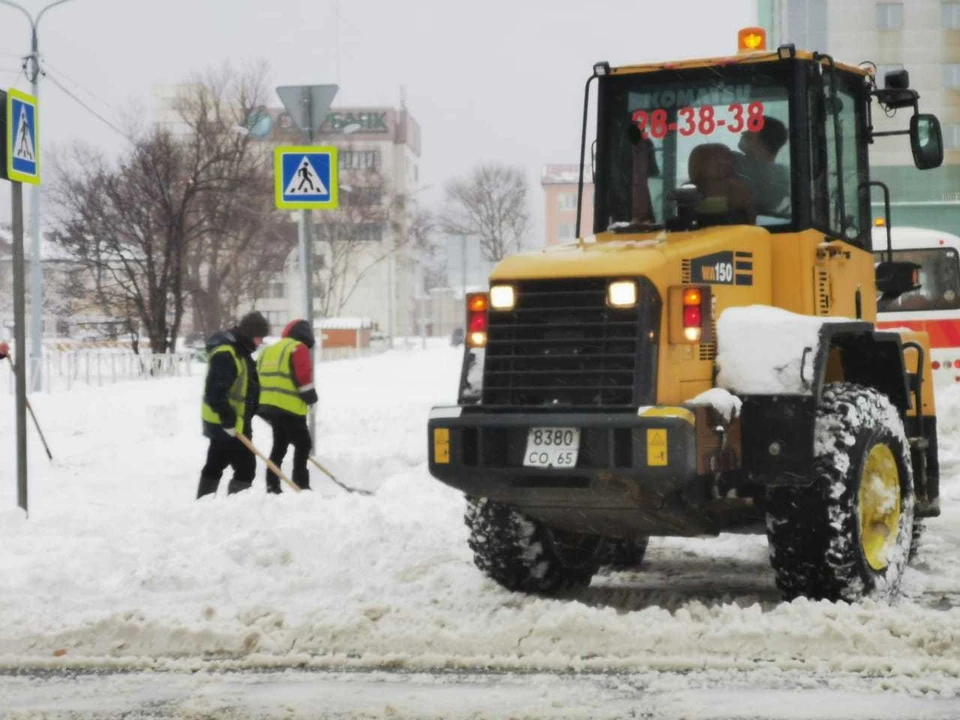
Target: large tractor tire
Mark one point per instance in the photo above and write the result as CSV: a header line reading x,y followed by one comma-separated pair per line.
x,y
624,553
847,535
523,554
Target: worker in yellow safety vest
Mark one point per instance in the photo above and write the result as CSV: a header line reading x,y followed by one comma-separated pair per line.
x,y
286,390
230,397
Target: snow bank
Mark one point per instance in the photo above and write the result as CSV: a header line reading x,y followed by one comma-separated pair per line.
x,y
760,349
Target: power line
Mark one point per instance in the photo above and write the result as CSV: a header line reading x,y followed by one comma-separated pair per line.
x,y
86,107
70,80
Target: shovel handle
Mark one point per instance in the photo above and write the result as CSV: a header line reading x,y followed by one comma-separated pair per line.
x,y
270,464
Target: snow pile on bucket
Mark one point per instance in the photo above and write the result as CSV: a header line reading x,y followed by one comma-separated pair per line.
x,y
760,350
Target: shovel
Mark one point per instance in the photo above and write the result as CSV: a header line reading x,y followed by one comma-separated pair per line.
x,y
330,475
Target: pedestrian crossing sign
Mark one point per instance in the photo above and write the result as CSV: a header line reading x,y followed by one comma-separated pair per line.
x,y
305,177
23,142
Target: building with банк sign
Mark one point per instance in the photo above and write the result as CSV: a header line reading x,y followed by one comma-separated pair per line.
x,y
378,155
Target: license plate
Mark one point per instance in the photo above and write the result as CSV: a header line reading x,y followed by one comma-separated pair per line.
x,y
552,447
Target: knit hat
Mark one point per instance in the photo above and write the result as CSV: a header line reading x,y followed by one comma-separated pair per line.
x,y
254,325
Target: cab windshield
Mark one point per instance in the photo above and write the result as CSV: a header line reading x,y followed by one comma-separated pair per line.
x,y
725,130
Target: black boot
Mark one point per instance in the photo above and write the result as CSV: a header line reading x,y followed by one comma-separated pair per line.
x,y
236,486
274,488
207,486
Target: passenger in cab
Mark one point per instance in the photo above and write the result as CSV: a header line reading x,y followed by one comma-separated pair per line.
x,y
769,182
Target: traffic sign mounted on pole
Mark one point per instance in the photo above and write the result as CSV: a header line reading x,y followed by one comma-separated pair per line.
x,y
306,177
307,105
22,138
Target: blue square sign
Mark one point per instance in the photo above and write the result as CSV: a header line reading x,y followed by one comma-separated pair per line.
x,y
23,143
306,177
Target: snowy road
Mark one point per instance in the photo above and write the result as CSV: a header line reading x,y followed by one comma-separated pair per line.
x,y
452,696
119,568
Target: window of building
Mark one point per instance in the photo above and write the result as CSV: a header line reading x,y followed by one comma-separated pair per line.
x,y
950,16
951,137
951,75
567,201
889,16
359,159
369,196
367,232
567,231
274,319
277,290
806,24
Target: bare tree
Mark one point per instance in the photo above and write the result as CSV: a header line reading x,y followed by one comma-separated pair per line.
x,y
129,226
490,204
185,215
425,248
242,239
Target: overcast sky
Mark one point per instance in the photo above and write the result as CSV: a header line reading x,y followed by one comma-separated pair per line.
x,y
489,80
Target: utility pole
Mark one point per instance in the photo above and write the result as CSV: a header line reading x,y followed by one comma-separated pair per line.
x,y
20,340
306,258
32,66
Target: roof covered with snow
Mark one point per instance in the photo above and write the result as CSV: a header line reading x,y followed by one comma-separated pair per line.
x,y
563,175
913,238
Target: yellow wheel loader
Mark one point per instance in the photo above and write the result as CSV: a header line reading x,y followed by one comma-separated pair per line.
x,y
704,357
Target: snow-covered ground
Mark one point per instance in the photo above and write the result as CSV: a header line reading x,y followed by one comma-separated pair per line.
x,y
119,567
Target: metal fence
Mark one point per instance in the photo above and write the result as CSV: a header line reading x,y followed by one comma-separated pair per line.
x,y
95,368
64,369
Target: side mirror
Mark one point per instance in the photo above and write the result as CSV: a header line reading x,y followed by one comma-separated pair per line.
x,y
926,141
895,278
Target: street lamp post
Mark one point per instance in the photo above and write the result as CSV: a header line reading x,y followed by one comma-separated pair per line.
x,y
36,271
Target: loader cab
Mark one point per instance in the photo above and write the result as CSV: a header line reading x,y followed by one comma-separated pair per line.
x,y
776,139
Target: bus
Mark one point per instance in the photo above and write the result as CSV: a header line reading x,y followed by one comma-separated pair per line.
x,y
935,306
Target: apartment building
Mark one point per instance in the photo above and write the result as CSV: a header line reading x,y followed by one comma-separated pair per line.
x,y
922,36
560,184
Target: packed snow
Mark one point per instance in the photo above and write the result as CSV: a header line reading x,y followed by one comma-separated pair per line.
x,y
763,350
118,566
723,401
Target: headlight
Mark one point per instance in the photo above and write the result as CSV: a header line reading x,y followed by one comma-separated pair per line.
x,y
622,293
502,297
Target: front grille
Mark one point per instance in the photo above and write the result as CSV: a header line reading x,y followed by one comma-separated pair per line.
x,y
562,346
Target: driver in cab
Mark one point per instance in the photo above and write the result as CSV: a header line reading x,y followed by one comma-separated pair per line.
x,y
756,165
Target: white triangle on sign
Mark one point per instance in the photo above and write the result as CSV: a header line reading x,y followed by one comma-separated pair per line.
x,y
305,180
23,140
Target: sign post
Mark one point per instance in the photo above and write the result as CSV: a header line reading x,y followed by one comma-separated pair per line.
x,y
306,180
21,164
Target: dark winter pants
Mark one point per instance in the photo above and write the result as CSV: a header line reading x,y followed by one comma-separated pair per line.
x,y
225,451
287,430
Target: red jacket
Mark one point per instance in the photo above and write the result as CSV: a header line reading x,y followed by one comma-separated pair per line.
x,y
301,364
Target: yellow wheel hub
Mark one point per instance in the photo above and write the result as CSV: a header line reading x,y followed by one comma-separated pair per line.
x,y
879,506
